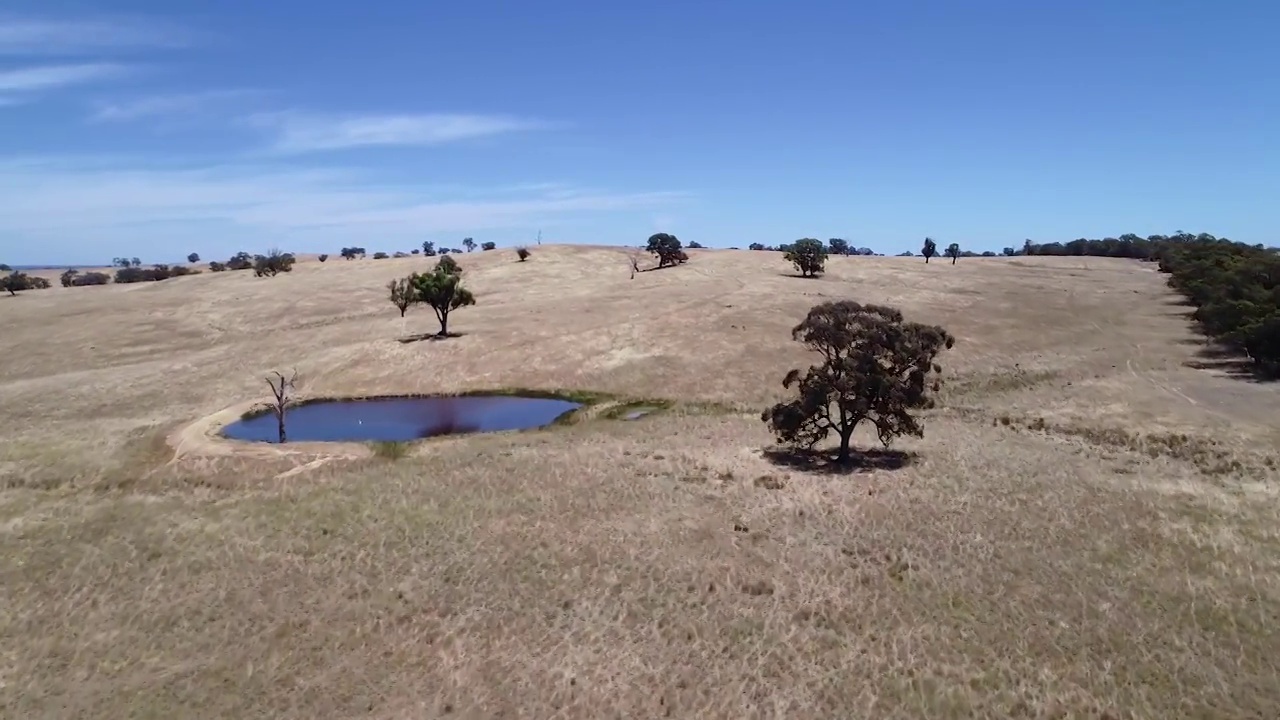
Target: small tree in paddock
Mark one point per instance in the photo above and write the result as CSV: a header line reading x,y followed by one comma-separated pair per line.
x,y
449,265
5,268
16,282
808,255
68,277
322,257
443,291
953,252
667,248
282,391
929,250
490,245
273,263
216,266
839,246
523,253
874,367
428,248
193,258
380,255
402,294
469,244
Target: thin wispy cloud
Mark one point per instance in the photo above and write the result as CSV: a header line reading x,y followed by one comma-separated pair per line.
x,y
300,132
58,203
40,36
164,106
30,79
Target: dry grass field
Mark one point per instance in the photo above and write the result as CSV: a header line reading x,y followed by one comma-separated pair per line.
x,y
1089,528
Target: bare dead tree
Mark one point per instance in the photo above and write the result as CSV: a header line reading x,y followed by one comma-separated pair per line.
x,y
635,264
282,388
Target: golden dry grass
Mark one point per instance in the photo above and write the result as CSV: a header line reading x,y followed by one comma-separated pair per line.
x,y
1089,528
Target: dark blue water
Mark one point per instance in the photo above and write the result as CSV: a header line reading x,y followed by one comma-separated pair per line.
x,y
402,419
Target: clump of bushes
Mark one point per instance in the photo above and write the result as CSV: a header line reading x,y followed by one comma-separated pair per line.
x,y
16,282
240,261
448,264
155,273
216,266
74,278
273,263
193,258
380,256
351,253
322,257
523,253
490,245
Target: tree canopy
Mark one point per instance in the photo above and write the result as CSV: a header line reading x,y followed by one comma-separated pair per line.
x,y
443,291
667,248
929,250
808,255
953,252
875,366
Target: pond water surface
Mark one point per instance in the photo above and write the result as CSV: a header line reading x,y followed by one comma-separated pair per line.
x,y
402,419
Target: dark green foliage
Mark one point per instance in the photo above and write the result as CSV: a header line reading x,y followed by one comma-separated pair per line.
x,y
193,258
240,261
443,291
523,253
216,266
987,253
154,273
380,255
273,263
75,278
953,252
67,278
5,268
839,246
488,245
1009,252
428,248
449,265
415,251
351,253
469,244
906,253
875,366
16,282
322,257
695,245
808,255
756,246
399,254
929,250
667,248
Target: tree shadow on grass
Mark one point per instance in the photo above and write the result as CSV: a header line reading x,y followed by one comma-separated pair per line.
x,y
428,337
824,462
1218,357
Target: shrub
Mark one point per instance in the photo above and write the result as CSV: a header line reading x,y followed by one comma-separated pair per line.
x,y
756,246
380,256
415,251
155,273
16,282
667,248
875,367
273,263
443,291
695,245
428,248
351,253
91,278
488,245
67,278
839,246
322,257
5,268
469,244
216,266
400,254
523,253
953,252
193,258
808,255
240,261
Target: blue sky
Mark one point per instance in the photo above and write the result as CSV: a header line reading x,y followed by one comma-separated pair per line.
x,y
157,128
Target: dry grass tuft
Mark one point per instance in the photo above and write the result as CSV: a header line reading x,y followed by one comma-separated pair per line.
x,y
1118,557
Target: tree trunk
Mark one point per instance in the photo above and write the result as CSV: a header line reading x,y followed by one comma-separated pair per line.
x,y
953,259
926,259
280,426
846,433
444,325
